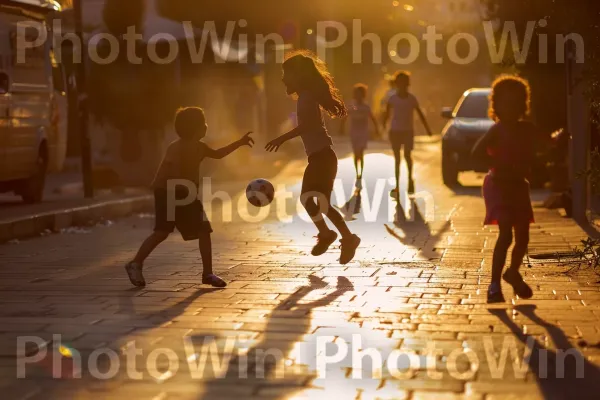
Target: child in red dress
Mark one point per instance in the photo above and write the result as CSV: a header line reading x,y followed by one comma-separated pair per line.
x,y
509,146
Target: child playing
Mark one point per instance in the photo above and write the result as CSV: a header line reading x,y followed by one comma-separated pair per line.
x,y
307,76
509,145
401,107
182,162
359,115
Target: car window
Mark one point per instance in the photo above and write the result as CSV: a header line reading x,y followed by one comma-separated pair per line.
x,y
474,105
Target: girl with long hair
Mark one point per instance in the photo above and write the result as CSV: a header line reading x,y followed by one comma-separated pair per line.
x,y
307,77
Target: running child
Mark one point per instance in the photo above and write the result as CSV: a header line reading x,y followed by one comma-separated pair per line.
x,y
307,77
509,150
359,115
182,162
401,108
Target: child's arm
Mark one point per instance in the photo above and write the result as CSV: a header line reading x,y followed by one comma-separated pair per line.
x,y
422,117
375,124
276,143
386,114
479,151
223,152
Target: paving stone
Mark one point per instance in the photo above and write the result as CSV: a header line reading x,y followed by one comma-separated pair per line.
x,y
393,297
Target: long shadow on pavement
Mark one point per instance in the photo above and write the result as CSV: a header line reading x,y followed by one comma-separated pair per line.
x,y
260,368
466,190
561,374
415,227
70,388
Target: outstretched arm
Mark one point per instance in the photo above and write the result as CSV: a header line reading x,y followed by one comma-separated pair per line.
x,y
223,152
275,144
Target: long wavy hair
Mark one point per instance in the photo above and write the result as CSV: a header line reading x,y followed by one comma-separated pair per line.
x,y
313,75
514,87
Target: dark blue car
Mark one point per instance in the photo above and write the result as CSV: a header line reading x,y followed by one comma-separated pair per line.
x,y
468,122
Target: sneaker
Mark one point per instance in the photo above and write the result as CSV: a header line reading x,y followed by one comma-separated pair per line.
x,y
349,246
213,280
514,278
494,294
134,271
324,240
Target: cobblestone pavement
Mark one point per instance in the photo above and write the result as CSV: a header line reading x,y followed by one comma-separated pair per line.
x,y
290,325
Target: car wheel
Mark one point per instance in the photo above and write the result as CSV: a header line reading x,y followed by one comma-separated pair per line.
x,y
32,190
449,168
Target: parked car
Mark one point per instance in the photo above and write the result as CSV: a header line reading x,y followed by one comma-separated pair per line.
x,y
33,108
469,121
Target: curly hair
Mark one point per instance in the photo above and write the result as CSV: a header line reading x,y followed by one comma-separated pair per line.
x,y
360,90
401,76
515,88
314,76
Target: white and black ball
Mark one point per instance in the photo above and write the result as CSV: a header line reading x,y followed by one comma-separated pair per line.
x,y
260,192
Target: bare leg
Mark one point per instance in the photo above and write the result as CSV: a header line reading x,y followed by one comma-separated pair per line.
x,y
314,211
362,164
397,171
356,162
205,246
521,245
338,221
409,163
499,259
149,245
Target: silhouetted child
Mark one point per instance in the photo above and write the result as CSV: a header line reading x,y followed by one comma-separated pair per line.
x,y
182,162
401,108
307,76
509,147
359,114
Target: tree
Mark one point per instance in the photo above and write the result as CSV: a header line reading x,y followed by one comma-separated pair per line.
x,y
557,17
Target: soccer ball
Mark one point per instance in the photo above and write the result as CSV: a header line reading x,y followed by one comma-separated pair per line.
x,y
260,192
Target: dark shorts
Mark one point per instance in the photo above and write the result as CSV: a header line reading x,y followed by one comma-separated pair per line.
x,y
401,139
190,219
320,173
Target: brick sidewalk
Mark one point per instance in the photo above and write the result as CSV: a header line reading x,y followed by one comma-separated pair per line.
x,y
412,285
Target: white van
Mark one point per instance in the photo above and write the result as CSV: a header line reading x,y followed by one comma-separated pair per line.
x,y
33,107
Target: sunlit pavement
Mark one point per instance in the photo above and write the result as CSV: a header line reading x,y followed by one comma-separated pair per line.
x,y
417,285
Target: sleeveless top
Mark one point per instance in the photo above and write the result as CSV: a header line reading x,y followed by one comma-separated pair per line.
x,y
314,137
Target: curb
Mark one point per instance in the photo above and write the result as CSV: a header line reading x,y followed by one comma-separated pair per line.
x,y
34,225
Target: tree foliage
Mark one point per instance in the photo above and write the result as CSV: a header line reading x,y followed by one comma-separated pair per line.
x,y
558,17
130,96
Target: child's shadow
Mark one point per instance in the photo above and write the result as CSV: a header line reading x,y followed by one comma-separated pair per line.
x,y
264,360
352,207
416,227
561,374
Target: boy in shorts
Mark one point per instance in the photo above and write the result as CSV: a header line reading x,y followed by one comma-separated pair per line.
x,y
401,107
182,162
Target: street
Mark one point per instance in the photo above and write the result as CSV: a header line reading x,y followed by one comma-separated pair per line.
x,y
416,284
